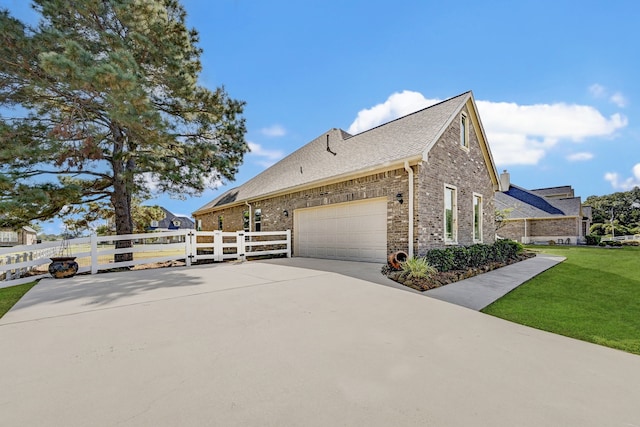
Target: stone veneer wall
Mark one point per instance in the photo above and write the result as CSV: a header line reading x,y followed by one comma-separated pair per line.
x,y
449,163
384,184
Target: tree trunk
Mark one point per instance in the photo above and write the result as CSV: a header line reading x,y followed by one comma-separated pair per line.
x,y
121,196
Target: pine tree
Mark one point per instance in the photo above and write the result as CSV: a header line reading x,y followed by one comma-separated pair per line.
x,y
99,100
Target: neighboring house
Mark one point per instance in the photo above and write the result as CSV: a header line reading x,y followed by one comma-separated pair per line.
x,y
419,182
23,236
171,222
542,215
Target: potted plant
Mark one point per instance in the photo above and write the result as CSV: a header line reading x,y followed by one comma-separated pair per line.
x,y
64,264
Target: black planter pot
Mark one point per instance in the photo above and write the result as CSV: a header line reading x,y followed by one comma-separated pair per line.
x,y
63,266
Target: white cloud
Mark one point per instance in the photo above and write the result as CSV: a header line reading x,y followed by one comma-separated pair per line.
x,y
267,157
624,184
580,157
397,105
517,134
274,131
619,99
597,91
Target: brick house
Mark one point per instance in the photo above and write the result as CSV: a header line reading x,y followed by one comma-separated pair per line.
x,y
542,215
419,182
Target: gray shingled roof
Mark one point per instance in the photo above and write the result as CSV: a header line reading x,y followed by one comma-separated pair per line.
x,y
395,141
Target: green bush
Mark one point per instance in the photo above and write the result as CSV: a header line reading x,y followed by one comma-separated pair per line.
x,y
592,239
417,268
478,255
442,259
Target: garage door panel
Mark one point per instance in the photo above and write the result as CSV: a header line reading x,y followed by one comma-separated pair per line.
x,y
350,231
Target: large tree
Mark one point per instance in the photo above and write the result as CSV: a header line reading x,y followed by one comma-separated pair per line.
x,y
100,101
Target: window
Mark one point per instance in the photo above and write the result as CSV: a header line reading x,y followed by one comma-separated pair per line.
x,y
245,220
464,131
477,218
258,219
450,215
199,225
220,220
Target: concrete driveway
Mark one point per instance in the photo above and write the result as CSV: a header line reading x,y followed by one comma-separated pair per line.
x,y
260,344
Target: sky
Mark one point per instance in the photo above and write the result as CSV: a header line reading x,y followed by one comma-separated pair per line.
x,y
555,81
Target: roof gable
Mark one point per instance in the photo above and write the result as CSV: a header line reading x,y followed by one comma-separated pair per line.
x,y
336,154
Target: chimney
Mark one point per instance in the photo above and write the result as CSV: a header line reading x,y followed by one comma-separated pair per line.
x,y
505,181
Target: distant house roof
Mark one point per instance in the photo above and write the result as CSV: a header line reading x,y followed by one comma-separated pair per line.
x,y
29,229
173,222
532,204
337,154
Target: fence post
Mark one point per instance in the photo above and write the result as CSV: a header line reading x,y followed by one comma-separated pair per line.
x,y
188,247
94,253
289,243
217,245
241,250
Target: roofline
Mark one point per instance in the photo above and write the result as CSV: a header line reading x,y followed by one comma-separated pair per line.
x,y
482,137
411,114
397,164
544,217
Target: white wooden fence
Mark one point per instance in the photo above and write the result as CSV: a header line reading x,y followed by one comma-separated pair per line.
x,y
96,253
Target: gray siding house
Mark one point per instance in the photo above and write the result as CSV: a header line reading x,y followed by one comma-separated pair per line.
x,y
423,181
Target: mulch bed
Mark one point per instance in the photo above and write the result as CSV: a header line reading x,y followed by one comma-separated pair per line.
x,y
442,279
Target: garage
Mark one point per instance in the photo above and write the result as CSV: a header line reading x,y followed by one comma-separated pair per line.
x,y
354,231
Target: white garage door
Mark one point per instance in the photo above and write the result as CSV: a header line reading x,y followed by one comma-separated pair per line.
x,y
355,231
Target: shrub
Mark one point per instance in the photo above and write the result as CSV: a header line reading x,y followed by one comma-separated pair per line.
x,y
417,268
592,239
478,255
442,259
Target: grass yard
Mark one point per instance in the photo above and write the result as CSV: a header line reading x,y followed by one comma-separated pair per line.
x,y
593,296
11,295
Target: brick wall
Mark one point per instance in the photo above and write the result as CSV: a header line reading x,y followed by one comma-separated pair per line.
x,y
514,229
385,184
449,163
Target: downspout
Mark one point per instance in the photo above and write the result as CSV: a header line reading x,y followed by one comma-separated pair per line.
x,y
250,217
410,172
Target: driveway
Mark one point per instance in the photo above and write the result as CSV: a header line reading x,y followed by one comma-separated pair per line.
x,y
261,344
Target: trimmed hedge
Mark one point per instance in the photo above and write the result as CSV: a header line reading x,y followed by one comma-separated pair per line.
x,y
464,257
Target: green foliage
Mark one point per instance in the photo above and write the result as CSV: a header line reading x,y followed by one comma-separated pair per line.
x,y
101,104
417,268
625,207
464,257
592,239
501,216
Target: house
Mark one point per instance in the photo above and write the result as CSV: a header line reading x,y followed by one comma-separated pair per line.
x,y
171,222
22,236
423,181
542,215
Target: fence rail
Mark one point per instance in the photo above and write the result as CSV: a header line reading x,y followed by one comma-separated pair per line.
x,y
96,253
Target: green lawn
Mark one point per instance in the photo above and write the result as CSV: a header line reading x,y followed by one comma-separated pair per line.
x,y
593,296
10,296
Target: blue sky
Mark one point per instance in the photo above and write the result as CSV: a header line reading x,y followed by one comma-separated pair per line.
x,y
556,82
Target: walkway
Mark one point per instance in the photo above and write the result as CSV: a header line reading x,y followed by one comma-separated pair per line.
x,y
479,291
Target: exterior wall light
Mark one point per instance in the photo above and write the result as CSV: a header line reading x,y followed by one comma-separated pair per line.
x,y
399,198
285,212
